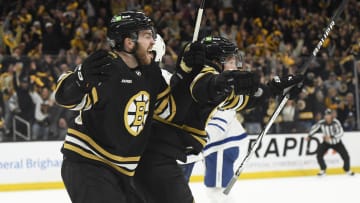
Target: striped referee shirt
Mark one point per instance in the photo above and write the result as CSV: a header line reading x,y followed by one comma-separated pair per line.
x,y
334,130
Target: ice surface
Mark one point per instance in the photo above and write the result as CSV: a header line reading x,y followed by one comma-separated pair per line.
x,y
329,189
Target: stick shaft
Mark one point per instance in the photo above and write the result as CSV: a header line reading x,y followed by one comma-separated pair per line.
x,y
255,145
198,21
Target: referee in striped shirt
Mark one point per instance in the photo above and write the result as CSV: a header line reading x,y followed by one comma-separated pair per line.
x,y
333,131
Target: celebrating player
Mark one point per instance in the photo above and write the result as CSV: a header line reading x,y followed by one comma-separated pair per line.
x,y
176,136
116,94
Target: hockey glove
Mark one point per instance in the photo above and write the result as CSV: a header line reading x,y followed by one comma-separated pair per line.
x,y
246,83
289,84
224,83
193,58
94,70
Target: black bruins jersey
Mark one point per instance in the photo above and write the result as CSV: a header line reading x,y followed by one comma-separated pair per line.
x,y
115,117
184,131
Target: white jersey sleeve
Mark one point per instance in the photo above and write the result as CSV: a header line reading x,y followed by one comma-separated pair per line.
x,y
224,131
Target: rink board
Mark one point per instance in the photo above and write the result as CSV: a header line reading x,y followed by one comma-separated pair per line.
x,y
287,155
36,165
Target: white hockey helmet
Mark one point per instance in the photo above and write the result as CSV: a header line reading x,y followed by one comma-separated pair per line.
x,y
159,48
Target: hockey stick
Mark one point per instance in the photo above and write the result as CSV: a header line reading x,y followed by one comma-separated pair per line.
x,y
284,99
198,21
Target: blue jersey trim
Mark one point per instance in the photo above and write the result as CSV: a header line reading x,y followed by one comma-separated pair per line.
x,y
229,139
220,119
216,125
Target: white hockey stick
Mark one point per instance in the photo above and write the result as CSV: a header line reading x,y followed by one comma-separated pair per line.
x,y
284,99
198,21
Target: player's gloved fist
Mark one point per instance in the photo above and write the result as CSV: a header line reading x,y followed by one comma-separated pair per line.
x,y
193,58
94,70
224,83
246,83
291,84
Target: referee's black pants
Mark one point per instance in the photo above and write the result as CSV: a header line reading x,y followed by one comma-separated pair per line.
x,y
88,182
339,147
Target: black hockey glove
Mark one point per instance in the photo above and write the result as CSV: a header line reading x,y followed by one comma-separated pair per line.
x,y
193,58
292,84
94,70
246,83
224,83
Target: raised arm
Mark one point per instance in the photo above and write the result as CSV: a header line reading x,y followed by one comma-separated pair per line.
x,y
76,90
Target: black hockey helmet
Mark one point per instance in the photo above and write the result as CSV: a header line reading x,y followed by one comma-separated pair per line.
x,y
219,48
127,24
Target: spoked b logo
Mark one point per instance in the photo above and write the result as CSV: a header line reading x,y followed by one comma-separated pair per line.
x,y
136,112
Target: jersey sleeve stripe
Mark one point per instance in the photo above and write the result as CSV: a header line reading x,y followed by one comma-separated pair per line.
x,y
233,103
202,141
94,157
244,103
61,79
226,140
163,93
219,119
93,144
217,126
194,130
94,95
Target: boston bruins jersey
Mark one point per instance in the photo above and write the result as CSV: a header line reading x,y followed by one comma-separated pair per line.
x,y
194,108
114,120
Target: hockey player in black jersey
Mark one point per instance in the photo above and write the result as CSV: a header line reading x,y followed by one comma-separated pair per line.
x,y
115,93
175,136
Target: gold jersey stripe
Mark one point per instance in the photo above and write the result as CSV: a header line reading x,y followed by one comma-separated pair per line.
x,y
94,95
173,108
184,67
206,70
163,93
61,80
162,106
233,103
194,130
88,102
100,149
243,105
200,140
93,157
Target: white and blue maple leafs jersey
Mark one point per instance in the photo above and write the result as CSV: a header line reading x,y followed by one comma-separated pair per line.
x,y
224,131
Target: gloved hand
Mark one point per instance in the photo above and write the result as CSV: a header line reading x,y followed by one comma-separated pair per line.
x,y
193,57
242,82
94,70
281,86
224,83
246,83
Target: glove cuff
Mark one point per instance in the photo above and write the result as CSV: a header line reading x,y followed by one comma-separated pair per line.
x,y
79,75
184,67
80,82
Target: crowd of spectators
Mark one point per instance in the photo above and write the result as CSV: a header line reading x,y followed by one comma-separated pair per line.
x,y
40,40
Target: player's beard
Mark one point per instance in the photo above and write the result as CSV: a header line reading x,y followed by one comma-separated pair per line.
x,y
143,55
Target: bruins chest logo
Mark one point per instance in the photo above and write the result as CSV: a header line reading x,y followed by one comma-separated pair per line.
x,y
136,112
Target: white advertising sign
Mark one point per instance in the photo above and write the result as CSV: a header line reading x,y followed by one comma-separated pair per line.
x,y
292,152
30,162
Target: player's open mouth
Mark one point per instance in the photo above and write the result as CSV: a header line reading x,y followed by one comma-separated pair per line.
x,y
150,53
